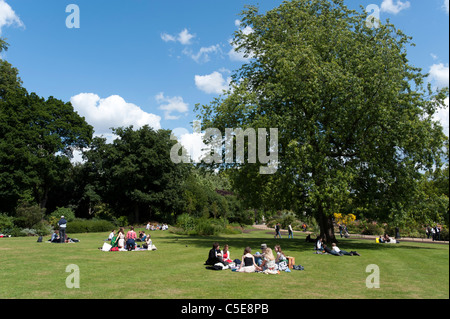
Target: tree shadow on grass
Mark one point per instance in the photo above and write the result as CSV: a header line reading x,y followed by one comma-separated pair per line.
x,y
237,244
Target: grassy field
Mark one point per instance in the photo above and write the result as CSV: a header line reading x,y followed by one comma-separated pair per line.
x,y
32,270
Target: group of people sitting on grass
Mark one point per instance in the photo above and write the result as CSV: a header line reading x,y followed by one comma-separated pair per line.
x,y
265,261
128,241
151,226
385,239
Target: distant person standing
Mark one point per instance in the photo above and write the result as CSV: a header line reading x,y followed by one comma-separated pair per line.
x,y
62,229
433,233
438,232
291,232
277,230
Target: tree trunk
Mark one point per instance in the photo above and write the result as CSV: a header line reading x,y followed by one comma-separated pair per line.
x,y
326,226
44,199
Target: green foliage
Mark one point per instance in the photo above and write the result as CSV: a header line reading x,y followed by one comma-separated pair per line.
x,y
186,222
6,222
369,228
353,116
203,226
134,175
67,212
37,136
28,215
88,226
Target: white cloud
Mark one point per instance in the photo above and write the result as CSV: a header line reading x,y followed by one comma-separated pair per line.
x,y
203,55
193,143
112,111
167,37
184,37
439,74
8,16
442,116
390,7
170,105
445,5
212,83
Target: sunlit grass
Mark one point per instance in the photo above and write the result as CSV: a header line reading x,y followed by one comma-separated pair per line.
x,y
176,270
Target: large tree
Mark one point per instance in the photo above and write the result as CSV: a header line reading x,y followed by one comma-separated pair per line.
x,y
135,175
37,138
354,117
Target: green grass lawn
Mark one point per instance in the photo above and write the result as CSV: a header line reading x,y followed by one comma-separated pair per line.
x,y
175,271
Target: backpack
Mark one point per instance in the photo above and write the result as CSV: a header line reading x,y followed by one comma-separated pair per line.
x,y
39,239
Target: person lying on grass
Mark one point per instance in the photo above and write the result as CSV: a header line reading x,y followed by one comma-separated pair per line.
x,y
343,252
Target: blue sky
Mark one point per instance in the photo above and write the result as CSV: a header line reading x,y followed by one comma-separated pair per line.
x,y
151,61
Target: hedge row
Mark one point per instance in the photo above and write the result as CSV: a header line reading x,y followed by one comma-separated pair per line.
x,y
89,226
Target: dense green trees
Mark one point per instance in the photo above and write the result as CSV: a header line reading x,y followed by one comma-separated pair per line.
x,y
37,138
134,175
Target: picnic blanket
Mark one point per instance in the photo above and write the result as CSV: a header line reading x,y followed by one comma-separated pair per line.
x,y
107,247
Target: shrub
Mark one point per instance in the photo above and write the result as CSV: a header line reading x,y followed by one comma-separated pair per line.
x,y
6,223
28,215
186,224
43,228
88,226
68,213
372,229
121,221
28,232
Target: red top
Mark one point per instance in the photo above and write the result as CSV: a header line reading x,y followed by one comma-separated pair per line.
x,y
131,234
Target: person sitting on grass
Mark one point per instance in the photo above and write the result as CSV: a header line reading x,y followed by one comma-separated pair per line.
x,y
55,237
226,255
319,246
215,256
260,256
268,262
248,264
115,240
121,238
280,255
148,243
281,260
111,235
335,248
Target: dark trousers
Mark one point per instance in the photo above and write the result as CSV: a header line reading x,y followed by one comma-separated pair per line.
x,y
62,235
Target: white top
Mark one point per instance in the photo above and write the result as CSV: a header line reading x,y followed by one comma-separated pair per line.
x,y
336,249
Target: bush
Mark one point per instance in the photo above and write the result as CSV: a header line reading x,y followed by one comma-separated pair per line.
x,y
68,213
203,226
6,223
186,222
28,215
88,226
371,229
